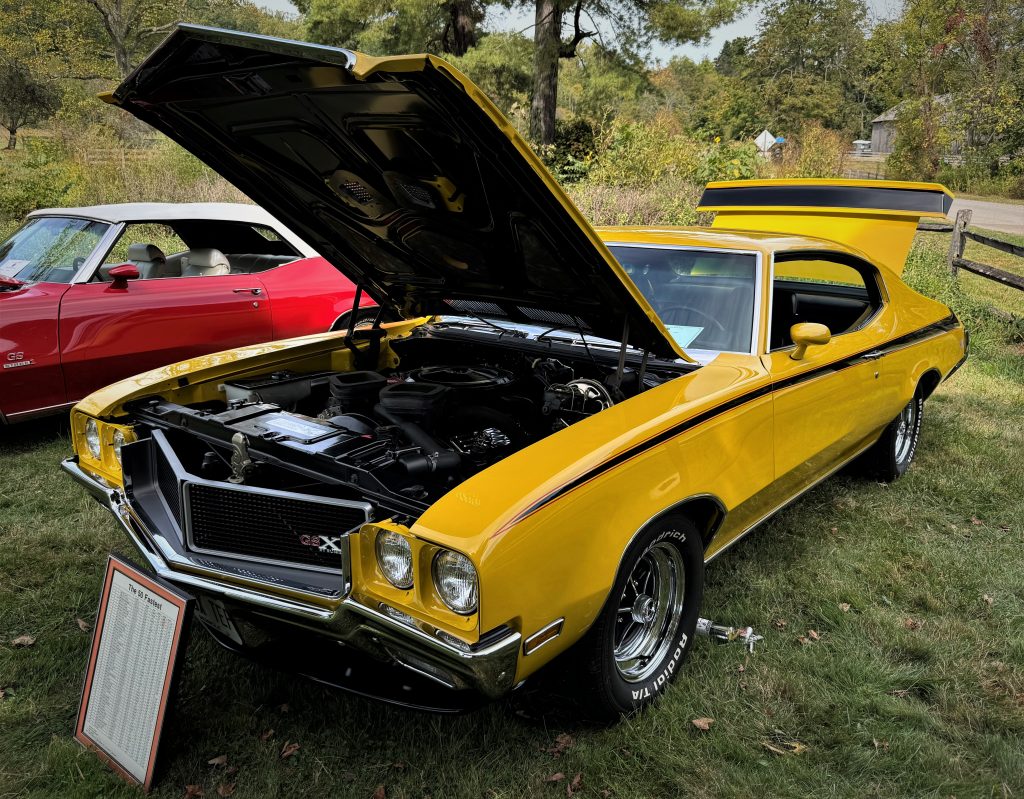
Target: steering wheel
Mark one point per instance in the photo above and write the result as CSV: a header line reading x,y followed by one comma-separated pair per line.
x,y
667,311
76,263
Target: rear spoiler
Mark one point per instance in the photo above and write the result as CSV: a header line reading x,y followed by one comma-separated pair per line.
x,y
876,217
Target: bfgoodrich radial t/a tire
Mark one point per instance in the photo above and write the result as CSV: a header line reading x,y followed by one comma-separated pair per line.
x,y
644,633
891,456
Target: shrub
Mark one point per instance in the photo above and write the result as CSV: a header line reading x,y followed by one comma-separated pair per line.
x,y
38,176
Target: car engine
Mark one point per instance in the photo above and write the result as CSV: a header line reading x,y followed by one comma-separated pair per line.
x,y
399,439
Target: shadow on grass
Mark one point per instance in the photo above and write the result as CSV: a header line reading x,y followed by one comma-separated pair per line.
x,y
25,436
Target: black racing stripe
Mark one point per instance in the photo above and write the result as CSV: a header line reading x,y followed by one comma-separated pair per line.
x,y
949,323
878,199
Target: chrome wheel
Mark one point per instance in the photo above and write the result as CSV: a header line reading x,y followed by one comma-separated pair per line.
x,y
649,612
906,430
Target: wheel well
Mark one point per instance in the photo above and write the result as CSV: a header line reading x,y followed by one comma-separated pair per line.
x,y
705,511
341,323
929,382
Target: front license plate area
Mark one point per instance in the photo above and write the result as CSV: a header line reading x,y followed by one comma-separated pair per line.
x,y
215,615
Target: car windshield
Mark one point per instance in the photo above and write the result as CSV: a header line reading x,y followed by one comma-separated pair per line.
x,y
49,249
705,298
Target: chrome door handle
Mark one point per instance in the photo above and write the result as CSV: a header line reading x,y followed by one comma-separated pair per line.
x,y
256,292
874,355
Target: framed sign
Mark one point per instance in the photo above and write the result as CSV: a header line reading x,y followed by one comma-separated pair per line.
x,y
133,662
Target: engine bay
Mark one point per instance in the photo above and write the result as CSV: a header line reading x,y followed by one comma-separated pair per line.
x,y
399,438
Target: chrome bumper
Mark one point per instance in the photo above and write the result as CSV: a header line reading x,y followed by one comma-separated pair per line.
x,y
489,669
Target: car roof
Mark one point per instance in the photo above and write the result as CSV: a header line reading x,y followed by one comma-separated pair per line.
x,y
720,238
169,212
153,212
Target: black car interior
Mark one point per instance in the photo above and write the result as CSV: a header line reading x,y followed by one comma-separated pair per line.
x,y
842,307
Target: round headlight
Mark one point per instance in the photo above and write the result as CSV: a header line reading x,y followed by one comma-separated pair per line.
x,y
92,438
456,582
118,442
394,556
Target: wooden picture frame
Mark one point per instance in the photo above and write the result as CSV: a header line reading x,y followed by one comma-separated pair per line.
x,y
134,659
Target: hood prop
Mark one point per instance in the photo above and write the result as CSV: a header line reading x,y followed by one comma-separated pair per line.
x,y
364,358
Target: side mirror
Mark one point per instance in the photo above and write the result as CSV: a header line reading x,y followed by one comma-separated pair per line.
x,y
120,275
806,333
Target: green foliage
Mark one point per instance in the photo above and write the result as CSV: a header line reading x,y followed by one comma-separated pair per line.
x,y
25,97
501,65
38,176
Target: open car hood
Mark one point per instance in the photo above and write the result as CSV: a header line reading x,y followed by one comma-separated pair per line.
x,y
399,171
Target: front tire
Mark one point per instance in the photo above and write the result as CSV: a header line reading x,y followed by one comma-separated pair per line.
x,y
645,630
893,453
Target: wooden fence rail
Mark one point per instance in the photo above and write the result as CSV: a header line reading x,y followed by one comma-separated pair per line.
x,y
956,253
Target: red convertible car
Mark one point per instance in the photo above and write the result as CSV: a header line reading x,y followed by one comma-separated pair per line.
x,y
92,295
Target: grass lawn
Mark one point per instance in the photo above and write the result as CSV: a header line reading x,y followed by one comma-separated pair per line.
x,y
912,683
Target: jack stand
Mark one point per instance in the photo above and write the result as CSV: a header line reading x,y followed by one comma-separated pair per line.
x,y
722,634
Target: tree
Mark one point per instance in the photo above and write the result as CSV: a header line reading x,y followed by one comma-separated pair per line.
x,y
809,59
634,25
24,98
395,26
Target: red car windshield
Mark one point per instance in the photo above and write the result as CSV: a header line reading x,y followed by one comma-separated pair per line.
x,y
49,249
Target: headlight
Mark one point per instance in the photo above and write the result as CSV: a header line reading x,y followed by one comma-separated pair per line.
x,y
394,556
456,582
117,442
92,438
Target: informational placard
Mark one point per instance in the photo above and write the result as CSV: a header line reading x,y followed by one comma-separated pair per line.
x,y
136,644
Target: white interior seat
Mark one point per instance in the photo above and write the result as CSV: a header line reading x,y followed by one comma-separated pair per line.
x,y
204,262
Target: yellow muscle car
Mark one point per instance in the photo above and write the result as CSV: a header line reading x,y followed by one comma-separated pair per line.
x,y
567,425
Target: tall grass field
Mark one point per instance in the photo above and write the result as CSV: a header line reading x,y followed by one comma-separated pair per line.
x,y
892,665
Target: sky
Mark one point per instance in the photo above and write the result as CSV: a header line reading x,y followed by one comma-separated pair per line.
x,y
521,19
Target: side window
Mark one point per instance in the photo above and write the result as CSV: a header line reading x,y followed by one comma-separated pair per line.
x,y
154,248
840,293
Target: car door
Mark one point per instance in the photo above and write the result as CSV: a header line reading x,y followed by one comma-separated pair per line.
x,y
108,333
828,403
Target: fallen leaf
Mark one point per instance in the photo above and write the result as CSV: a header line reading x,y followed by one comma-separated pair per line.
x,y
266,735
193,791
83,625
219,760
741,668
844,606
988,599
378,792
703,723
834,530
883,745
813,635
900,693
225,789
3,694
574,786
284,708
562,742
605,793
1005,528
23,640
231,770
785,747
289,749
780,624
803,640
558,776
976,521
913,624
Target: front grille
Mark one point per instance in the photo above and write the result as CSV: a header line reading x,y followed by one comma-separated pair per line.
x,y
270,526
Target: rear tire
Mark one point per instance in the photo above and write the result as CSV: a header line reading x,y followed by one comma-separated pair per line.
x,y
893,453
644,633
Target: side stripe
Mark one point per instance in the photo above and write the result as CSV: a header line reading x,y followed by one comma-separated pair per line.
x,y
937,328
